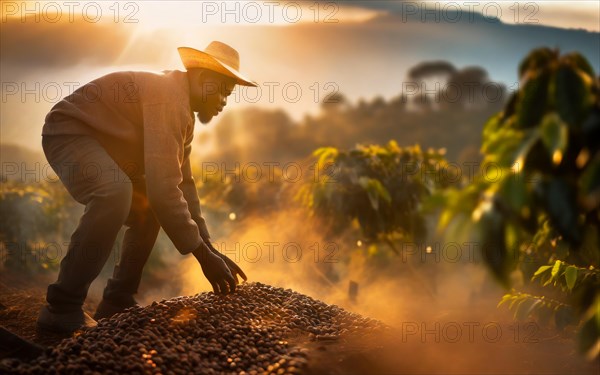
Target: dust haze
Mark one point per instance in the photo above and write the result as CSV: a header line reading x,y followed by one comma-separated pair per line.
x,y
449,325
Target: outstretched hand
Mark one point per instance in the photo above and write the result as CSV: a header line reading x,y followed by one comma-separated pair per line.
x,y
216,270
233,267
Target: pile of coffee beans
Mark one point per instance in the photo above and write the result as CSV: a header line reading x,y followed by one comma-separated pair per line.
x,y
246,332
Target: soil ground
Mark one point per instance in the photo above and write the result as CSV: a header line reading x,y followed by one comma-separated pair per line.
x,y
443,346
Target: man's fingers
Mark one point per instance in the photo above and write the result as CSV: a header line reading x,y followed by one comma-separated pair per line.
x,y
242,274
215,287
223,286
231,282
234,269
237,270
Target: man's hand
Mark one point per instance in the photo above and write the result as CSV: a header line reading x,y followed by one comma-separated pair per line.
x,y
233,267
215,269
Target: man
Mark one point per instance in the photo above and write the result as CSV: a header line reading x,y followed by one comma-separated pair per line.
x,y
121,146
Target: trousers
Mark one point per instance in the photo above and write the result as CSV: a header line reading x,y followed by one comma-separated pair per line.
x,y
111,201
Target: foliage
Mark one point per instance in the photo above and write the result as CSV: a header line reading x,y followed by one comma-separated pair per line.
x,y
243,191
525,304
30,215
541,207
378,187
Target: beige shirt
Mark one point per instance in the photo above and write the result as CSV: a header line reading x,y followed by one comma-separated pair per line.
x,y
145,123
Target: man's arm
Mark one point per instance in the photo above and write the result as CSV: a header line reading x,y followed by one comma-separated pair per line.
x,y
188,187
164,132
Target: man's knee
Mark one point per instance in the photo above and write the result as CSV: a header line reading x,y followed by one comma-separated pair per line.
x,y
115,196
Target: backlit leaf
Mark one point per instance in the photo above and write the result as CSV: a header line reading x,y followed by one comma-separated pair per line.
x,y
525,308
532,100
556,268
537,59
573,94
562,208
541,270
555,136
571,276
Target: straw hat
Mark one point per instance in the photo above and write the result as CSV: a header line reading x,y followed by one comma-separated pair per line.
x,y
218,57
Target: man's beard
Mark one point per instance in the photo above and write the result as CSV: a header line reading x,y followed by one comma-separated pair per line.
x,y
203,119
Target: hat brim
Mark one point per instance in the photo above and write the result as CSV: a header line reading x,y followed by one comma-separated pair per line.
x,y
193,58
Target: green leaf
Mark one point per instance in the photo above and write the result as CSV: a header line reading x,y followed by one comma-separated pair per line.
x,y
531,137
514,191
556,268
491,126
324,155
525,308
590,184
544,313
555,136
511,237
562,209
573,94
501,147
459,229
382,192
495,253
516,299
537,59
591,127
563,317
571,276
505,298
532,102
375,190
510,107
541,270
577,60
392,145
591,244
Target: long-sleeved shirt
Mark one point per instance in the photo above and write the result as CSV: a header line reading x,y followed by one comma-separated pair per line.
x,y
145,123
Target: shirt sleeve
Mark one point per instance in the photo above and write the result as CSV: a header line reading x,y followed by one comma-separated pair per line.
x,y
164,142
188,187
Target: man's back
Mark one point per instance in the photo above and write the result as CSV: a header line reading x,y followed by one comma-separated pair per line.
x,y
111,109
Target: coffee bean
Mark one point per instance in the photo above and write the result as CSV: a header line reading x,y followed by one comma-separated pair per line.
x,y
245,332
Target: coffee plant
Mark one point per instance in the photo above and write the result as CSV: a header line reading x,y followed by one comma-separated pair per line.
x,y
538,214
379,188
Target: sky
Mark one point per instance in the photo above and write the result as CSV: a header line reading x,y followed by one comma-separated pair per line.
x,y
299,52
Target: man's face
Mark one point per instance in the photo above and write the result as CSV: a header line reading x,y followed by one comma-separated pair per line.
x,y
208,94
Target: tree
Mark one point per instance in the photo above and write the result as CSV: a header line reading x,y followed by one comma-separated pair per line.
x,y
379,187
30,218
542,216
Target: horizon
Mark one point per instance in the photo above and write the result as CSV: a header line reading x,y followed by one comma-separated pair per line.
x,y
38,71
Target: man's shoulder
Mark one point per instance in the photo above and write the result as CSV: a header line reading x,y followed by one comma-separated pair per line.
x,y
164,77
167,86
150,87
114,77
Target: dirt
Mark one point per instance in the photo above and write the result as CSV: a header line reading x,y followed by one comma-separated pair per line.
x,y
523,349
21,300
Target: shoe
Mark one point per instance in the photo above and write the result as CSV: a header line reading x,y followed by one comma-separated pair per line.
x,y
107,308
64,322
